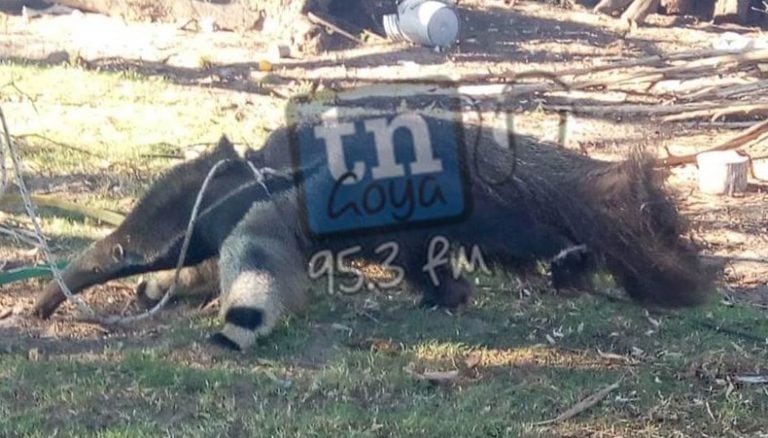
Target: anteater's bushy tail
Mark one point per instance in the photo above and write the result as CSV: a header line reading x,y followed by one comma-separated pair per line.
x,y
622,213
639,234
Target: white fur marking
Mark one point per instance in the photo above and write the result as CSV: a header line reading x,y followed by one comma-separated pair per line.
x,y
564,253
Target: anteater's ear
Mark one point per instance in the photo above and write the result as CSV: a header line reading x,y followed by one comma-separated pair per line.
x,y
224,148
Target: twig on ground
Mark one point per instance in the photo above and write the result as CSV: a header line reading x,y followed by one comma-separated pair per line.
x,y
334,28
12,84
19,235
719,109
674,112
583,405
106,216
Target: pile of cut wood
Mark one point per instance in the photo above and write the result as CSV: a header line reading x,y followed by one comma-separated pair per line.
x,y
728,87
740,11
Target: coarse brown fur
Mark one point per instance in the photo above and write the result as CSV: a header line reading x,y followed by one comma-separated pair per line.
x,y
554,200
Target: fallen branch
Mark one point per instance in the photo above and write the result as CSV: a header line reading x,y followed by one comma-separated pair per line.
x,y
698,62
651,60
106,216
750,134
672,112
19,235
334,28
57,143
719,110
719,125
730,91
583,405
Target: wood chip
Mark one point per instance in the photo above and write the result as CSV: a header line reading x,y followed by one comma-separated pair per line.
x,y
436,377
614,356
758,379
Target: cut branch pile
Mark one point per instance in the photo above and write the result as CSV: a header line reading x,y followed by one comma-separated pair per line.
x,y
636,11
685,86
699,85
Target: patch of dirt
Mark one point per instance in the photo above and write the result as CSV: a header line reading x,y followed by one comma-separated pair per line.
x,y
64,333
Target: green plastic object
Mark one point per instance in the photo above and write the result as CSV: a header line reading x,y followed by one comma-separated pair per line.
x,y
28,272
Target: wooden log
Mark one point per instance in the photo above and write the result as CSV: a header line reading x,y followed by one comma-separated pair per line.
x,y
679,7
722,172
731,10
611,6
639,10
753,133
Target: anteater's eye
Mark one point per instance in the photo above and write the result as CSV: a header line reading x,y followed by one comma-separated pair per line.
x,y
96,270
118,253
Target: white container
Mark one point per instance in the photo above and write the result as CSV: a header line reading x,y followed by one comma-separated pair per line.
x,y
722,172
427,22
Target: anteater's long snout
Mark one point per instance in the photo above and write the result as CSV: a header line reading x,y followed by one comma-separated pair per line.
x,y
79,275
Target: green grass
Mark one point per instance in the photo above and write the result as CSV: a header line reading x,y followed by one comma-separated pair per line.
x,y
341,369
311,380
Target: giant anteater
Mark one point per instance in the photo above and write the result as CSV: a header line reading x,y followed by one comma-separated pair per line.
x,y
555,200
151,236
555,204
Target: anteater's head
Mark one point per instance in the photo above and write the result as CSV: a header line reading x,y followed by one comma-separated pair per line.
x,y
149,238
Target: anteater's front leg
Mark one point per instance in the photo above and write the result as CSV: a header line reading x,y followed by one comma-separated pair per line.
x,y
200,281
